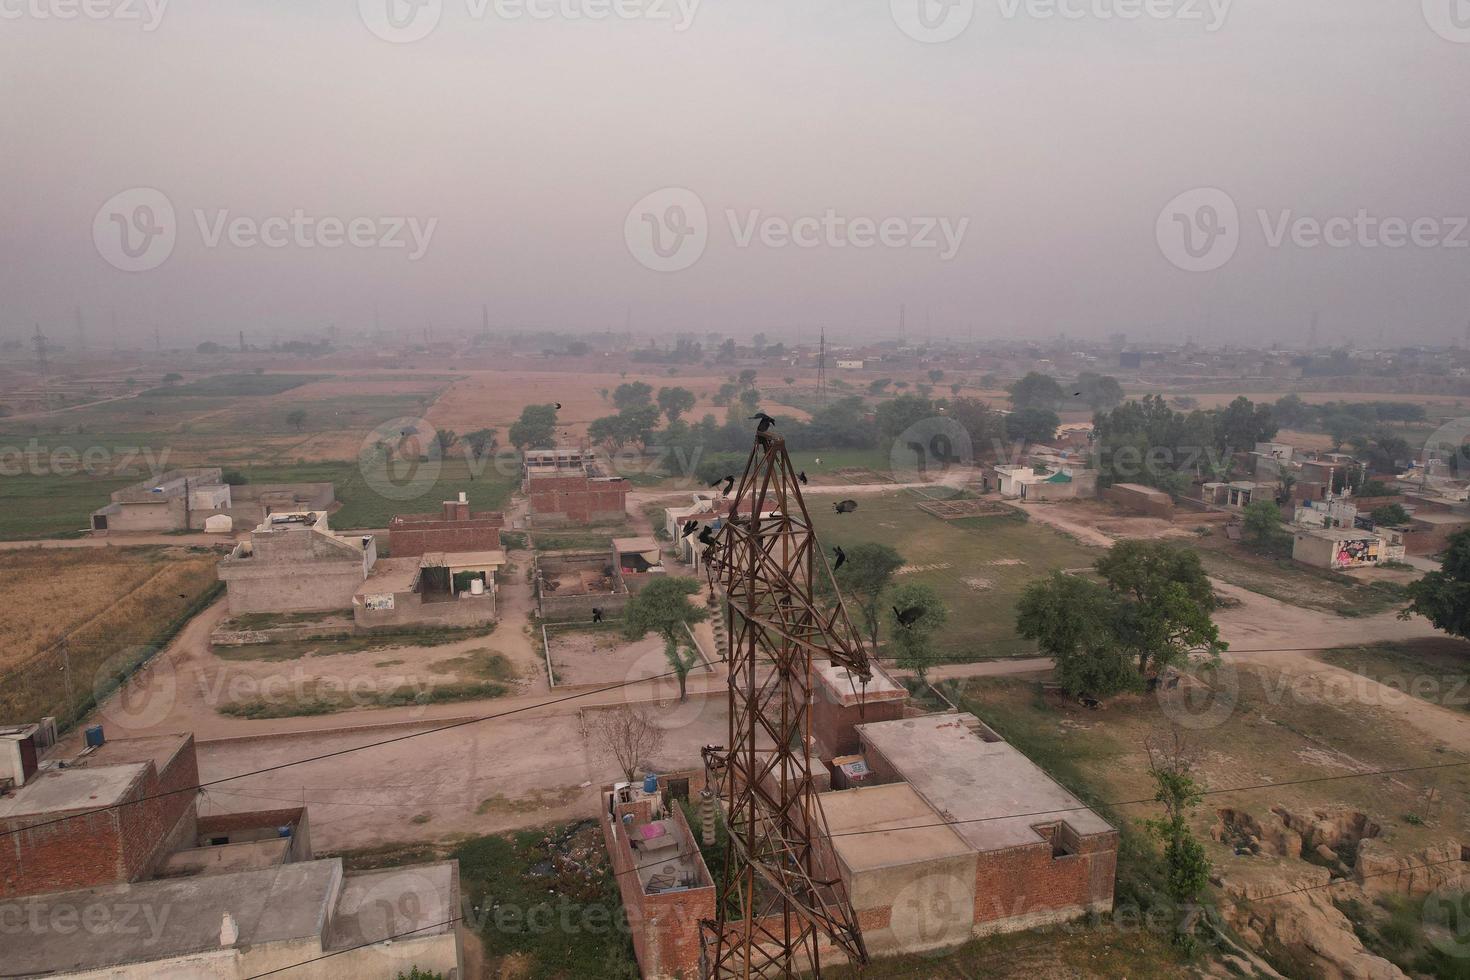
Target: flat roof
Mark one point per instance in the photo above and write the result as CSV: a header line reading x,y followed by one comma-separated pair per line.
x,y
994,796
372,907
1340,534
1440,517
390,575
640,545
849,690
473,559
173,917
64,790
887,809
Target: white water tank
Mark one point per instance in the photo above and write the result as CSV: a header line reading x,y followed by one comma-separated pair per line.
x,y
477,586
218,524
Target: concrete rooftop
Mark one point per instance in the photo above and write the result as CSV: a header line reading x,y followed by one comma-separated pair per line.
x,y
64,790
992,794
374,906
849,690
886,809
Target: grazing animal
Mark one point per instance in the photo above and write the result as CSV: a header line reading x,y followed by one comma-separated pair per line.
x,y
689,527
596,615
765,421
907,617
841,557
845,506
802,477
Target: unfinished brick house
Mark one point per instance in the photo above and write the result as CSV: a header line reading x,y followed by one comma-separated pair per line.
x,y
296,563
570,486
455,529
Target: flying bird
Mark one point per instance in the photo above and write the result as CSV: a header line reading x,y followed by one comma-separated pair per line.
x,y
558,406
729,482
845,506
765,420
802,477
841,557
689,527
907,617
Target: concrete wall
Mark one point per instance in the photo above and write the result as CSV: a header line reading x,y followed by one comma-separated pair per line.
x,y
409,609
1149,504
165,515
125,843
269,587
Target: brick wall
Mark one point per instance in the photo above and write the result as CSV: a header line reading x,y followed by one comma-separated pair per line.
x,y
125,843
410,536
577,499
1029,883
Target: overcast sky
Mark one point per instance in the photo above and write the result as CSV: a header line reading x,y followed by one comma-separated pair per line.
x,y
1011,180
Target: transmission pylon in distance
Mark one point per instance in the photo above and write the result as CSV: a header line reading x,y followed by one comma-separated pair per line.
x,y
782,893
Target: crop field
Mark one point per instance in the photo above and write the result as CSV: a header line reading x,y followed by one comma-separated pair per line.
x,y
979,566
112,606
236,385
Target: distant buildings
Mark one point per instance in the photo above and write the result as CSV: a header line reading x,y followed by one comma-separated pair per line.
x,y
188,499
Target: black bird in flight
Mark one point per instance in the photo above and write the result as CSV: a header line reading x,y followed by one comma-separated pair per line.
x,y
707,536
722,479
689,527
907,617
802,477
841,557
596,615
765,420
729,482
558,406
845,506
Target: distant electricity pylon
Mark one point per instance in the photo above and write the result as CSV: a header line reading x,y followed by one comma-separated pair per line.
x,y
782,894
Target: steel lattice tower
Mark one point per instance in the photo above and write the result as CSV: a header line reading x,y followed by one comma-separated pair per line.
x,y
782,893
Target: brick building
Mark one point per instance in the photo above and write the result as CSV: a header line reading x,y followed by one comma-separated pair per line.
x,y
569,486
185,499
455,529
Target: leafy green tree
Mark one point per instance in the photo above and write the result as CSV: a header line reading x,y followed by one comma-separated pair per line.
x,y
446,438
296,418
914,644
1168,602
535,429
1186,866
864,578
897,414
936,375
1032,425
1097,391
481,441
663,607
1390,514
750,399
1443,596
984,424
1261,520
675,402
876,386
1073,621
1036,390
1292,412
632,394
1243,424
747,377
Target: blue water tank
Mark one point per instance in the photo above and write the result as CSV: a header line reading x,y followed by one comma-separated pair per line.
x,y
94,737
650,783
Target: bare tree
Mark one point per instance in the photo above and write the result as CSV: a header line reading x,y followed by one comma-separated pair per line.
x,y
626,734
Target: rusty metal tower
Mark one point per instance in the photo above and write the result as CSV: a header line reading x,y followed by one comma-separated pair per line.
x,y
782,894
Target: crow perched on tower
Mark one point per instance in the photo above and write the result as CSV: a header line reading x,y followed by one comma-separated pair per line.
x,y
688,528
707,536
765,421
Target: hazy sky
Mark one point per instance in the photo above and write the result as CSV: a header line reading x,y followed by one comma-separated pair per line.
x,y
519,146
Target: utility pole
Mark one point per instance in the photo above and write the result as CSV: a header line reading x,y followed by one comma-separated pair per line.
x,y
822,369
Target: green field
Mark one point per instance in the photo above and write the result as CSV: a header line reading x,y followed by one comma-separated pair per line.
x,y
237,385
52,506
1299,585
978,566
1436,669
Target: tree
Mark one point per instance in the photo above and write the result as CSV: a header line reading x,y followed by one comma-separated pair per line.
x,y
296,418
1443,596
936,375
663,607
747,377
1032,425
1390,514
865,576
446,438
898,414
1261,520
1243,424
1073,621
627,734
914,643
1036,390
984,424
481,441
632,394
750,398
171,377
1098,391
1167,602
876,387
535,429
1186,867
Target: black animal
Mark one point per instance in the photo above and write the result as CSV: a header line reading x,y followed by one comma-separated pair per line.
x,y
729,482
841,557
558,406
689,527
907,617
707,536
845,506
596,615
765,421
802,477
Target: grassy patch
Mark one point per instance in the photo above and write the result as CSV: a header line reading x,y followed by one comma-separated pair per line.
x,y
483,663
1436,669
1414,933
590,540
236,385
327,646
54,506
321,698
1299,585
978,569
